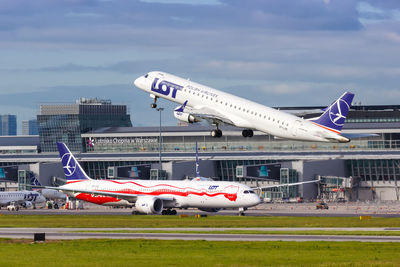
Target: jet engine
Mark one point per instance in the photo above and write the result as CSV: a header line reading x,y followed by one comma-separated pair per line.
x,y
184,116
27,204
149,205
210,209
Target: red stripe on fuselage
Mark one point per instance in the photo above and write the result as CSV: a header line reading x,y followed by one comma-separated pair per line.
x,y
175,191
99,200
326,128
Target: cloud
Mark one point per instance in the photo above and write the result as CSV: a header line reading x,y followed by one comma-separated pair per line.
x,y
277,52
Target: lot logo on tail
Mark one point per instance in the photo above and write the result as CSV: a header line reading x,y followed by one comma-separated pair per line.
x,y
69,164
334,116
336,112
165,88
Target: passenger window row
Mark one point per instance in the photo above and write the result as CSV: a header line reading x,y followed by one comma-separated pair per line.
x,y
239,108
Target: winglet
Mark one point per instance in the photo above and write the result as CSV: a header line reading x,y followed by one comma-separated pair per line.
x,y
334,116
181,108
72,169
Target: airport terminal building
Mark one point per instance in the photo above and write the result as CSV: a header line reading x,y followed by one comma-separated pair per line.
x,y
367,168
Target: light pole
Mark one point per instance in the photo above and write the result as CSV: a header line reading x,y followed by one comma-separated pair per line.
x,y
160,140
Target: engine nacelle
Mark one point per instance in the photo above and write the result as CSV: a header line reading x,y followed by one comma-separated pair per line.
x,y
149,205
27,204
184,116
210,209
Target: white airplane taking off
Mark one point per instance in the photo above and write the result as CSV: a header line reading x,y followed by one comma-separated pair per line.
x,y
199,102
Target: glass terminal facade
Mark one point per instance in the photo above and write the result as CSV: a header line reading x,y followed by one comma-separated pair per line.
x,y
94,130
65,123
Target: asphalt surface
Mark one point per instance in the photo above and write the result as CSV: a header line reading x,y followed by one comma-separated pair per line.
x,y
271,209
76,233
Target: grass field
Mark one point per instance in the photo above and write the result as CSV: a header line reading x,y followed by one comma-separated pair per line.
x,y
196,253
174,221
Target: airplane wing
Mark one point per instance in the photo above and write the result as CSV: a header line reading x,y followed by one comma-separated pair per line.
x,y
203,113
126,196
283,185
209,115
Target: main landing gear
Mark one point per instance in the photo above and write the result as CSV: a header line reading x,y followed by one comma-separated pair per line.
x,y
154,104
247,133
168,212
217,133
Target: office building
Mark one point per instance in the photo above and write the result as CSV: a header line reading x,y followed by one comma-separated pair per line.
x,y
30,127
66,122
8,124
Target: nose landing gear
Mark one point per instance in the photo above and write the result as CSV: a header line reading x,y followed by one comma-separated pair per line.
x,y
154,104
241,211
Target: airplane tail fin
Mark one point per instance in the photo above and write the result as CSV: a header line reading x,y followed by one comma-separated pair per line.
x,y
34,180
72,169
334,116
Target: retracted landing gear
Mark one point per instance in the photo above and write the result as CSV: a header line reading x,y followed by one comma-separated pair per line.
x,y
154,104
169,212
247,133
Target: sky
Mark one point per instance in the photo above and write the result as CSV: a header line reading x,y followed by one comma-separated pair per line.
x,y
275,52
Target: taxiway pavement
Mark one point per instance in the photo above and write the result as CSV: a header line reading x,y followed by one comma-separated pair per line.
x,y
109,233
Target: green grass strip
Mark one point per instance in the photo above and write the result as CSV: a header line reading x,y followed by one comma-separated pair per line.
x,y
196,253
151,221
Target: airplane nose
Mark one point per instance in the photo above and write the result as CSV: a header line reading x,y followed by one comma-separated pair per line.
x,y
138,82
257,200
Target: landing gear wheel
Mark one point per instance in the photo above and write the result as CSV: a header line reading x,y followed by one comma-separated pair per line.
x,y
216,133
168,212
154,104
247,133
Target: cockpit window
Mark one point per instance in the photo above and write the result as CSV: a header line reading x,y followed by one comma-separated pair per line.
x,y
245,192
147,75
251,192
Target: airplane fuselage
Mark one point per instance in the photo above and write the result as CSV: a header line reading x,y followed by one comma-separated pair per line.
x,y
21,197
175,194
241,112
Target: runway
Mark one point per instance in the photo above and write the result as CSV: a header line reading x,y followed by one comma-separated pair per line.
x,y
109,233
301,210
